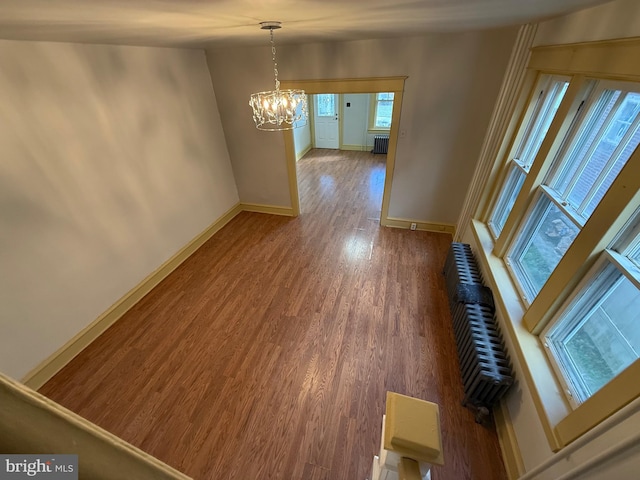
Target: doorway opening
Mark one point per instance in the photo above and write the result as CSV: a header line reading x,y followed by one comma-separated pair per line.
x,y
341,183
393,85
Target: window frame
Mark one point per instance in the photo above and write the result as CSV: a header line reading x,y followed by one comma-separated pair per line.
x,y
608,259
522,236
577,125
627,243
509,186
373,112
557,168
612,61
545,85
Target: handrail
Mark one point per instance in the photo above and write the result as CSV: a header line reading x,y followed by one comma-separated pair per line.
x,y
31,423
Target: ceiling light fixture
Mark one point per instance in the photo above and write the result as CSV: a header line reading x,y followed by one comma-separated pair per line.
x,y
278,110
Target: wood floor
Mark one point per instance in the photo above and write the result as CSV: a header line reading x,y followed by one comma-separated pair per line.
x,y
268,353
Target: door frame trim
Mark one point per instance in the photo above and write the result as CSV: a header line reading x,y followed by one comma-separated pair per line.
x,y
340,86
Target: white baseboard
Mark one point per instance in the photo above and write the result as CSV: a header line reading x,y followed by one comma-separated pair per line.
x,y
272,209
422,226
52,365
511,456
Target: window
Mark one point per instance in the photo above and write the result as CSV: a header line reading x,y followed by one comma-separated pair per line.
x,y
382,110
599,150
557,234
325,105
550,91
597,336
546,236
514,180
603,136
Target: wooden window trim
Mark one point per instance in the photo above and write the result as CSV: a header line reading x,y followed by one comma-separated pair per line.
x,y
614,60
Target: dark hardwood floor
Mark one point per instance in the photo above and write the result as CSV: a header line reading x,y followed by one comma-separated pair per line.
x,y
267,354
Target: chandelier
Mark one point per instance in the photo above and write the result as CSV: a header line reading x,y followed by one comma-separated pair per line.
x,y
278,110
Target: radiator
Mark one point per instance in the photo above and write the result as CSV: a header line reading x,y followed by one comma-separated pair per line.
x,y
484,365
380,144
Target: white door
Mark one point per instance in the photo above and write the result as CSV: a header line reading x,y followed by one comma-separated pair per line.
x,y
326,120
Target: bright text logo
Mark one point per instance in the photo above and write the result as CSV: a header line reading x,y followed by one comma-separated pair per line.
x,y
50,467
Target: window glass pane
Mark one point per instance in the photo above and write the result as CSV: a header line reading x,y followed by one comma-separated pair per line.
x,y
625,154
586,137
552,91
547,234
384,110
607,139
326,104
508,194
598,336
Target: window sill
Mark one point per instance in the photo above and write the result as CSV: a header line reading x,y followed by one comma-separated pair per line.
x,y
548,397
379,130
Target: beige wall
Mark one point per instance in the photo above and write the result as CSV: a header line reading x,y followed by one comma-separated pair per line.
x,y
453,82
111,160
355,120
302,139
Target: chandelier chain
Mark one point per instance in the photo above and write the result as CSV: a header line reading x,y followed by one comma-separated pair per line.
x,y
275,63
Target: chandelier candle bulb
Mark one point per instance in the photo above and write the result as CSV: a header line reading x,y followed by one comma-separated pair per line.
x,y
278,110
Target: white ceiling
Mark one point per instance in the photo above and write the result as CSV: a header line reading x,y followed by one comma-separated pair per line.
x,y
199,23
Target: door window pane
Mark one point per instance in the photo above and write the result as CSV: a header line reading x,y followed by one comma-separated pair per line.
x,y
325,105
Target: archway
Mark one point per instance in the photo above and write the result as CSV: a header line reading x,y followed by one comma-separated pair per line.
x,y
360,85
